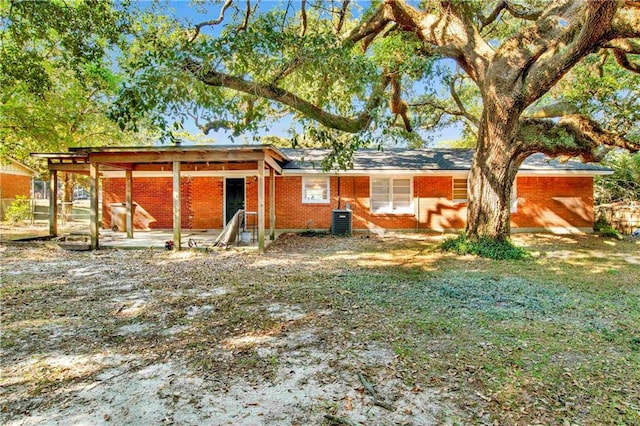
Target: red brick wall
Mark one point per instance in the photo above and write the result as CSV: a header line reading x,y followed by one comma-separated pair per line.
x,y
291,213
207,202
153,196
12,185
543,202
431,196
436,210
547,202
251,197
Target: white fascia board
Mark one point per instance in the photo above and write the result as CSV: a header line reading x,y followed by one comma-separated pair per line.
x,y
565,173
375,172
462,173
355,173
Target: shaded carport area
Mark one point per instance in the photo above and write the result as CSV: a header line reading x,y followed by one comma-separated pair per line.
x,y
266,161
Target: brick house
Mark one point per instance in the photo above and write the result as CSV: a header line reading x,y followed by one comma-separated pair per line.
x,y
394,189
15,180
398,189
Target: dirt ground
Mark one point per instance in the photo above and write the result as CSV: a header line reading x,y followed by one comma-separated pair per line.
x,y
321,330
193,338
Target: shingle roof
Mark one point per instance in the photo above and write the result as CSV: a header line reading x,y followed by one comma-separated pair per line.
x,y
398,159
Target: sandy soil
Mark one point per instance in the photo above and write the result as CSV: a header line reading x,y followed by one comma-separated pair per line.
x,y
191,338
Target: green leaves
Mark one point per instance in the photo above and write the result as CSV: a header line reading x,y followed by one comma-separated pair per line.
x,y
71,35
624,184
484,247
599,88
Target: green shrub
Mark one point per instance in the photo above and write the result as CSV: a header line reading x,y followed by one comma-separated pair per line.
x,y
19,210
484,247
604,229
599,224
609,232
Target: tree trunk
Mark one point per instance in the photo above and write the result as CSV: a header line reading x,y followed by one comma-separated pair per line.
x,y
493,171
68,184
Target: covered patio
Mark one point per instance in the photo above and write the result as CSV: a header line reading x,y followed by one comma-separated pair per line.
x,y
199,239
127,162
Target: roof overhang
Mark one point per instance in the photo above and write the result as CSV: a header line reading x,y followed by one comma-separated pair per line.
x,y
438,172
153,158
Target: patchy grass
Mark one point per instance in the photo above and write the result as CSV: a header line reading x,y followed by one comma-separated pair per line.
x,y
553,338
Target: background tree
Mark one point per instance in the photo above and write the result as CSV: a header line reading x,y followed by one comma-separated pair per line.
x,y
600,88
356,71
57,78
68,114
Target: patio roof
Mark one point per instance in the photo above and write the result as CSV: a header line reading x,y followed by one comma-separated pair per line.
x,y
264,159
149,158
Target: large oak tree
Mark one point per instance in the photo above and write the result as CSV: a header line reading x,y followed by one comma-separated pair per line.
x,y
371,71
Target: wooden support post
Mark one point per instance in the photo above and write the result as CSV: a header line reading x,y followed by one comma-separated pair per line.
x,y
53,203
94,174
272,204
176,206
261,206
129,200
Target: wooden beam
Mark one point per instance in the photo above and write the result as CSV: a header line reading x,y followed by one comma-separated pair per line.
x,y
261,206
169,157
119,166
53,203
273,164
69,167
196,167
94,173
129,202
176,206
272,205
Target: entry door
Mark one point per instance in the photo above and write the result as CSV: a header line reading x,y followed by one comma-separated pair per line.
x,y
234,198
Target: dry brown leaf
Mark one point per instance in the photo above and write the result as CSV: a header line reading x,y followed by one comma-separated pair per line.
x,y
348,405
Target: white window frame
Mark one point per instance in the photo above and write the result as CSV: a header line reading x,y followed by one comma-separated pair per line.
x,y
453,189
327,182
392,209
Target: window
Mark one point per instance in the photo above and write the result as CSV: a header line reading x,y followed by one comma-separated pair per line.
x,y
514,196
391,195
315,190
460,190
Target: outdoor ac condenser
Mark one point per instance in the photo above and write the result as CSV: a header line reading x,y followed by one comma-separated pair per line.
x,y
341,222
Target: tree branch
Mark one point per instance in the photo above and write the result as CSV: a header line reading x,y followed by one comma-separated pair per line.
x,y
623,60
247,14
303,18
286,70
345,124
559,109
577,39
372,26
588,140
461,108
342,16
626,23
451,30
527,14
626,45
217,21
473,121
